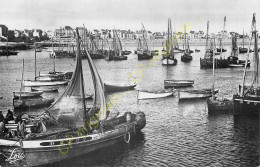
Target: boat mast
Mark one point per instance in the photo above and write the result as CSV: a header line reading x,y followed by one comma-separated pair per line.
x,y
243,38
22,81
253,29
213,85
185,44
35,61
207,36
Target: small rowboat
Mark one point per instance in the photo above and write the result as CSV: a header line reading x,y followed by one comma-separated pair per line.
x,y
148,95
45,89
195,94
32,103
118,88
27,94
41,83
177,83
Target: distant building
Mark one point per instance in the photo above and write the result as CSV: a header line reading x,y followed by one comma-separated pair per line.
x,y
37,33
3,30
158,35
27,33
50,33
17,33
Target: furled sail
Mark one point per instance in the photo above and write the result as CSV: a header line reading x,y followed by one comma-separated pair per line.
x,y
234,51
256,66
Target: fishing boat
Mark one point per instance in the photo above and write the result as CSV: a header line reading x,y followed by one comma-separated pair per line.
x,y
118,88
186,57
247,101
96,129
149,95
7,51
143,51
117,48
243,49
45,89
207,61
177,83
233,58
168,57
217,105
195,94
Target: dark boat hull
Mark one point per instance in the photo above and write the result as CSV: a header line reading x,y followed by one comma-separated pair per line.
x,y
186,58
219,63
144,56
219,50
118,88
242,50
219,106
246,105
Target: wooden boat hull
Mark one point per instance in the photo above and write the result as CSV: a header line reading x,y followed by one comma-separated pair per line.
x,y
246,105
148,95
45,89
219,50
126,52
32,103
219,106
169,61
27,94
39,152
242,50
195,94
39,83
177,83
144,55
118,88
197,50
120,57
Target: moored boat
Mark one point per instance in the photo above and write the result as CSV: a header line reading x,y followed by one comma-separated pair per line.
x,y
32,103
186,57
247,101
195,94
26,94
45,89
177,83
219,105
168,57
118,88
143,52
28,83
150,95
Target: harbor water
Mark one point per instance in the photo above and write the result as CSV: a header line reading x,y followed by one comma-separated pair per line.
x,y
177,133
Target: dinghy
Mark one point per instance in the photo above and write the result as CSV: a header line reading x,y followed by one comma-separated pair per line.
x,y
32,103
45,89
118,88
28,83
195,94
177,83
27,94
148,95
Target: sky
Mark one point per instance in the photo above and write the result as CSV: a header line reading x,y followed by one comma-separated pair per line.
x,y
130,14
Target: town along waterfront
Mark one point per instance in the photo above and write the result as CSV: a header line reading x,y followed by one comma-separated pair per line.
x,y
177,133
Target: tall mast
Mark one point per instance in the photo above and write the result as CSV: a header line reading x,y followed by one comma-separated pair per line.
x,y
207,36
59,38
22,81
185,44
243,38
253,29
35,61
213,85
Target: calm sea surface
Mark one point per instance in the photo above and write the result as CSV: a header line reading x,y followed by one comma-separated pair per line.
x,y
176,134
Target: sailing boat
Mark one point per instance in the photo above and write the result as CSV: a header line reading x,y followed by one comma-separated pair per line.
x,y
117,45
214,104
247,102
186,57
243,49
94,130
233,58
207,61
143,51
168,57
221,49
42,81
